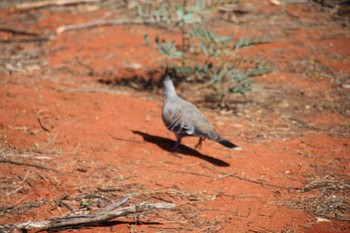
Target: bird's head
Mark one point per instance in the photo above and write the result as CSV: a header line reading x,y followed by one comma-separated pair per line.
x,y
168,85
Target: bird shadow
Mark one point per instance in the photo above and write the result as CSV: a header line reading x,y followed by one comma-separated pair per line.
x,y
166,144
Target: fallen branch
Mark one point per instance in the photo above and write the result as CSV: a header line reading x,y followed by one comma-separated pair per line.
x,y
98,23
83,220
40,4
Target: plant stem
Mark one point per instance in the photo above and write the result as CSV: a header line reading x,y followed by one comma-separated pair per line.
x,y
183,32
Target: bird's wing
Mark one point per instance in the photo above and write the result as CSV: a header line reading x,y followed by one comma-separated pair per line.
x,y
177,122
184,118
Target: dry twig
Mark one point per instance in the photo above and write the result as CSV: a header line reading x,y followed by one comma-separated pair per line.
x,y
29,40
42,125
24,207
18,32
98,23
20,186
114,205
27,164
257,182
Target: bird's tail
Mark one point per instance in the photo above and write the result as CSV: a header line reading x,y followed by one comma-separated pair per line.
x,y
228,144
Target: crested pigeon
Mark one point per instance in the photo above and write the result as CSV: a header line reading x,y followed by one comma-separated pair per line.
x,y
184,119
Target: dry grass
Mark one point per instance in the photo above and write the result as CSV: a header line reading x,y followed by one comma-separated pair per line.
x,y
290,228
330,198
86,200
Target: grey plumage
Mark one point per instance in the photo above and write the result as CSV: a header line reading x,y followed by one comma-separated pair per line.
x,y
184,119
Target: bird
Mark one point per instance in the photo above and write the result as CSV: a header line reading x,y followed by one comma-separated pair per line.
x,y
184,119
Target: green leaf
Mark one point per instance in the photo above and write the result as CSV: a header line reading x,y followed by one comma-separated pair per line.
x,y
139,11
227,40
169,19
156,41
145,36
204,50
189,18
177,54
180,13
239,43
148,11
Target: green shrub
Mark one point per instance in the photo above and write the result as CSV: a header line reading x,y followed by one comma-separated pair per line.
x,y
202,54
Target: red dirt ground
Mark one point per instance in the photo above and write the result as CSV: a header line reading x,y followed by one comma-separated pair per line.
x,y
108,141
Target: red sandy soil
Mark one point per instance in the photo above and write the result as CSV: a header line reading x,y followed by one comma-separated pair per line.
x,y
104,142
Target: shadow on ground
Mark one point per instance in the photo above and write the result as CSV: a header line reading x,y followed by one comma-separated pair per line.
x,y
166,144
151,81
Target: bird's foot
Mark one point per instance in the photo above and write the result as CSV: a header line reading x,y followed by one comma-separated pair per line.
x,y
175,148
199,144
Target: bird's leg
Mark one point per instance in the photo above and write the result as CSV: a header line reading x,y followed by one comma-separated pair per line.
x,y
199,144
178,142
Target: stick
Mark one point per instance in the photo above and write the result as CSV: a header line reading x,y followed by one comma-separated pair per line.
x,y
18,32
29,40
258,182
223,175
39,4
25,206
27,164
98,23
19,186
113,206
42,125
58,203
193,173
81,220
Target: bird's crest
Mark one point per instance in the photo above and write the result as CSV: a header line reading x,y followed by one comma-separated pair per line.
x,y
166,72
167,68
